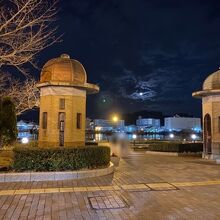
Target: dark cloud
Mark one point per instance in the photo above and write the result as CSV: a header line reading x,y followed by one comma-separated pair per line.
x,y
144,54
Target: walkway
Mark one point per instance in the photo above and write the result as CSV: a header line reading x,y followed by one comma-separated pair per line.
x,y
143,187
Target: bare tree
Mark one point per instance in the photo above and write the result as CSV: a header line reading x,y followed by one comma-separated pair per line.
x,y
26,29
25,95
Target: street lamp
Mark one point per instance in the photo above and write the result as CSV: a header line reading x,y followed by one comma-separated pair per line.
x,y
134,136
193,136
24,140
171,136
115,118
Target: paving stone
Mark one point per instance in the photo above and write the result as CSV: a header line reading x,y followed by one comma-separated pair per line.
x,y
93,188
66,189
162,186
79,189
135,187
52,190
198,196
37,191
7,192
22,191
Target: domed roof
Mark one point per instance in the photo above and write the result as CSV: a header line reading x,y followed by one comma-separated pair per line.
x,y
63,69
212,82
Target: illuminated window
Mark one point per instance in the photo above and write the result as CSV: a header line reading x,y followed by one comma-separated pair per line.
x,y
44,120
62,103
78,120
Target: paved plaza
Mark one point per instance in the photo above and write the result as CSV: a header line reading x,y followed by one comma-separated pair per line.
x,y
142,187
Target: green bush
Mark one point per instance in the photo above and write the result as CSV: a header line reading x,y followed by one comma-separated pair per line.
x,y
91,143
59,159
176,147
8,122
154,141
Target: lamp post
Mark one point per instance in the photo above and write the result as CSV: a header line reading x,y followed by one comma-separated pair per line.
x,y
134,136
171,136
24,140
115,120
193,136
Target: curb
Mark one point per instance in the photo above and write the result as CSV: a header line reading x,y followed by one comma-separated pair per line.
x,y
162,153
54,176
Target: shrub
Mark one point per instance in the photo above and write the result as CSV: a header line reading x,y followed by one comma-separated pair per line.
x,y
59,159
91,143
176,147
8,122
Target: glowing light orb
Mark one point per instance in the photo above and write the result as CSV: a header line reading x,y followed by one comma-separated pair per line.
x,y
171,135
115,118
193,136
134,136
24,140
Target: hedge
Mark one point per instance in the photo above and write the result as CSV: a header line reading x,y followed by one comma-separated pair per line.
x,y
60,159
176,147
91,143
155,141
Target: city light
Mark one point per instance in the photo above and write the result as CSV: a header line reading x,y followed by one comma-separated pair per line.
x,y
171,135
98,128
193,136
24,140
134,136
115,118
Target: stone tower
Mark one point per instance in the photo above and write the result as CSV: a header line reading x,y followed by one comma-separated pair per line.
x,y
210,96
63,89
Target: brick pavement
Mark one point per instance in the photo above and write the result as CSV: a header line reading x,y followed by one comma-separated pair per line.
x,y
142,187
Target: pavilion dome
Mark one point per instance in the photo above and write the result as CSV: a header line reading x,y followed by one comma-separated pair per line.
x,y
63,69
212,82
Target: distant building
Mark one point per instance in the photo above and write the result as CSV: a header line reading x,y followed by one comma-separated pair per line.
x,y
108,125
27,130
148,122
130,128
89,124
182,123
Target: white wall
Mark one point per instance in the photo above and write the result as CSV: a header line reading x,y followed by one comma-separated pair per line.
x,y
180,123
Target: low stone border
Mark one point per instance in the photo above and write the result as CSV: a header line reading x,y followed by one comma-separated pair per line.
x,y
217,161
162,153
50,176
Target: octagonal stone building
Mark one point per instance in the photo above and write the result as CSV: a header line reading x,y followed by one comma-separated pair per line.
x,y
210,95
63,89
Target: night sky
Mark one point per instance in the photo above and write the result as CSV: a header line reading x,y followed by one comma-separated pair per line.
x,y
144,54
